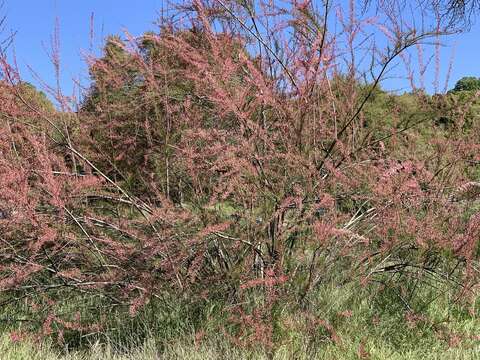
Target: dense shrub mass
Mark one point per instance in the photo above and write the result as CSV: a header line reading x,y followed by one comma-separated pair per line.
x,y
468,83
244,158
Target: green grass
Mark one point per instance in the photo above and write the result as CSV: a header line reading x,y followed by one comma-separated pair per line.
x,y
376,348
361,318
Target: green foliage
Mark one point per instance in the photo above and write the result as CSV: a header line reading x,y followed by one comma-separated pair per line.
x,y
467,83
36,98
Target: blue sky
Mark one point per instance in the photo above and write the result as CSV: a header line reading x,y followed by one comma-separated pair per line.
x,y
34,21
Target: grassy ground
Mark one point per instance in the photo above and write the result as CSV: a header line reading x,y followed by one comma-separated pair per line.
x,y
366,325
374,349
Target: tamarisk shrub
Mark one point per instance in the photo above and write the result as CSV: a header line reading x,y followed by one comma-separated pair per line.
x,y
60,245
235,155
